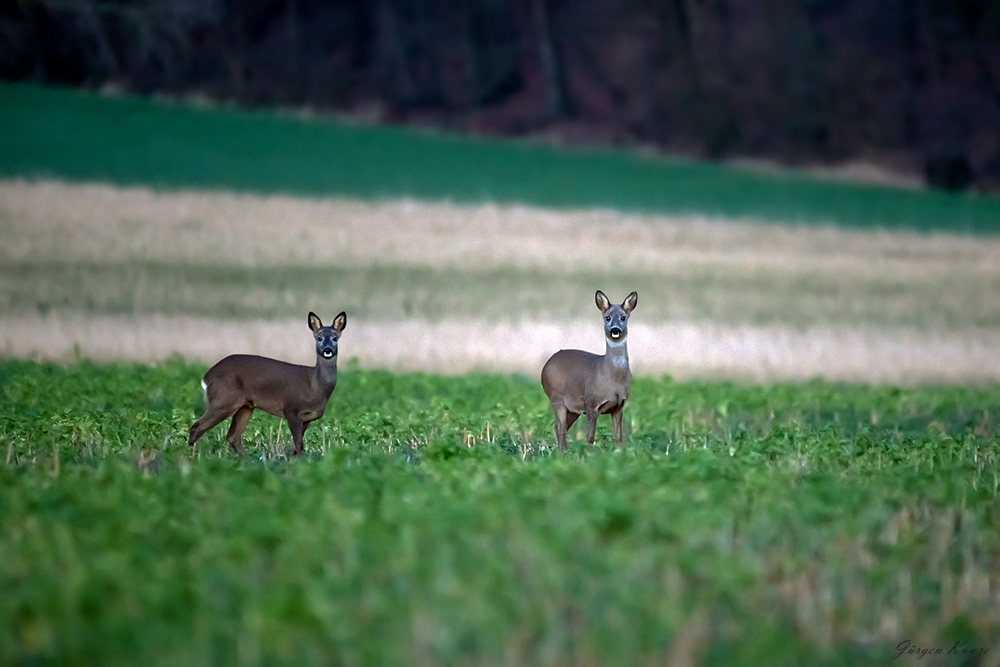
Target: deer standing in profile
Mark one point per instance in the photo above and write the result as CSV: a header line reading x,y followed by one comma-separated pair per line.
x,y
579,382
241,383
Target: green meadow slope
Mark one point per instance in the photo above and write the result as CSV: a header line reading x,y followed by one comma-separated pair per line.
x,y
48,133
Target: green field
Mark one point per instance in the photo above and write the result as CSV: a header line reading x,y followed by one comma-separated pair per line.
x,y
47,133
431,523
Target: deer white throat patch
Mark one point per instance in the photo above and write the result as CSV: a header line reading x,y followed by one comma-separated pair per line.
x,y
620,357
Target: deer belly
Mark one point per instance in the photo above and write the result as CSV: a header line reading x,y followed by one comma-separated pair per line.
x,y
274,407
612,405
310,415
574,405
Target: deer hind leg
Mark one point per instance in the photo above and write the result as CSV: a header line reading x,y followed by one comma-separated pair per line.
x,y
213,416
571,418
235,435
564,419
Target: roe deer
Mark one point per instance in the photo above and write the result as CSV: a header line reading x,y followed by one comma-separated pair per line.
x,y
240,383
592,384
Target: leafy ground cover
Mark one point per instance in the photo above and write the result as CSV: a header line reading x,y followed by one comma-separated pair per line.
x,y
71,135
431,523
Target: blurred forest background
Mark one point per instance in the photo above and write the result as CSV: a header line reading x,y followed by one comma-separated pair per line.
x,y
912,86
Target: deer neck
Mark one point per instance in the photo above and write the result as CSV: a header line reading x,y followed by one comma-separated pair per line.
x,y
616,357
325,373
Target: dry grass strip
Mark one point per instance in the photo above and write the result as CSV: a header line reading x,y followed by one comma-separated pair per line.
x,y
93,223
684,350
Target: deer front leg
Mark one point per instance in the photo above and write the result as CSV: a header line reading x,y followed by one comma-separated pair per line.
x,y
591,425
298,429
616,423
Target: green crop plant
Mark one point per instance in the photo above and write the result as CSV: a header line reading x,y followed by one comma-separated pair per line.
x,y
433,522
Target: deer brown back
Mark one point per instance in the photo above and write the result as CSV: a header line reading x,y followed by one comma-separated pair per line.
x,y
242,383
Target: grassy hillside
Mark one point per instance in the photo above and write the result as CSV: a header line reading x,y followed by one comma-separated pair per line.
x,y
82,136
430,523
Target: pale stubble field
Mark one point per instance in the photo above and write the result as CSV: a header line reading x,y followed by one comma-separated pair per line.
x,y
107,272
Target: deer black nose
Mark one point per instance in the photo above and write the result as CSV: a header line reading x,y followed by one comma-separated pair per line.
x,y
615,332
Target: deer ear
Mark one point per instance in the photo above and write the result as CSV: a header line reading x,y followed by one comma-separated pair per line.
x,y
314,322
628,305
340,321
602,301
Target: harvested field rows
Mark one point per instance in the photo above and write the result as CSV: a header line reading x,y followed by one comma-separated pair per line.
x,y
100,223
142,274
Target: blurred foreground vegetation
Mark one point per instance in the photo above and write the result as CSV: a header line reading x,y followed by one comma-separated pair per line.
x,y
431,523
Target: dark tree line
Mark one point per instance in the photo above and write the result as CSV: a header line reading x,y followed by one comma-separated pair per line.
x,y
913,84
